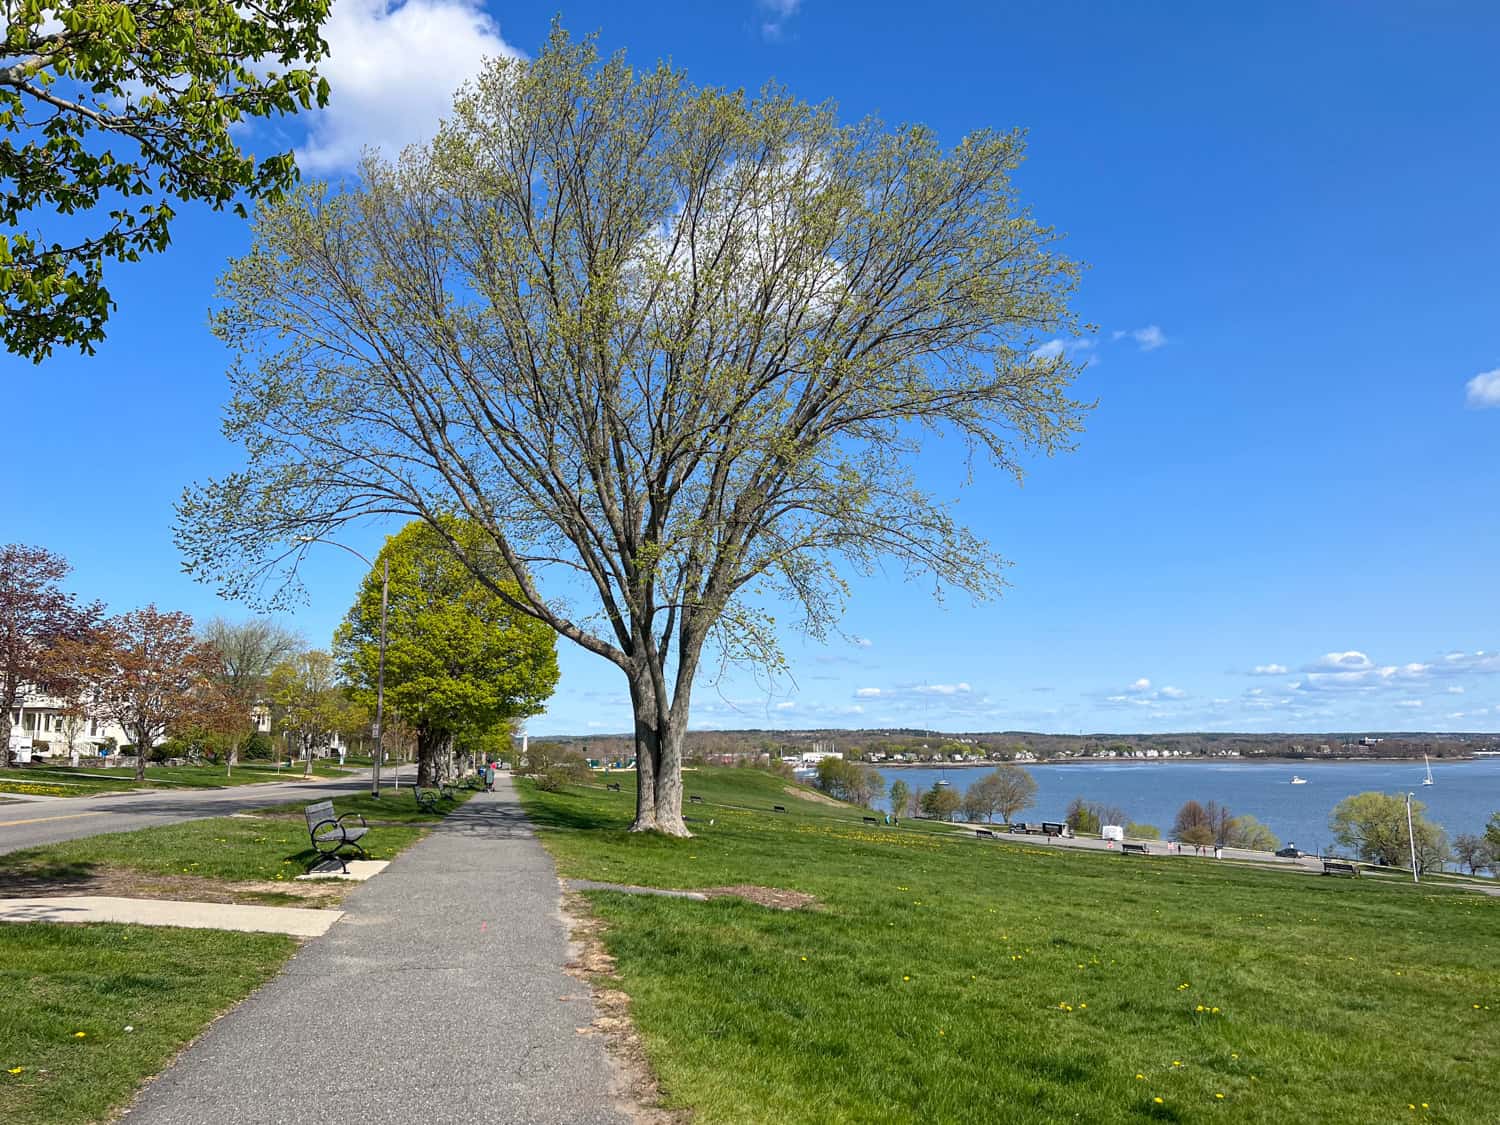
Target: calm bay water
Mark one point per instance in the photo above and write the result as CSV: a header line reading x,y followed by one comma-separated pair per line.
x,y
1461,799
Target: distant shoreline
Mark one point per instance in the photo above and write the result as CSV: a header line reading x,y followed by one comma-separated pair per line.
x,y
1258,760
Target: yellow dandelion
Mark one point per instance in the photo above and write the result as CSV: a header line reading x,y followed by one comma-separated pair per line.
x,y
1083,1005
1219,1096
1176,1062
1200,1007
804,958
906,978
1158,1101
17,1069
80,1035
1140,1077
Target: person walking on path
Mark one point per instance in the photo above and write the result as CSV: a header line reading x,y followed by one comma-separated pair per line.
x,y
440,996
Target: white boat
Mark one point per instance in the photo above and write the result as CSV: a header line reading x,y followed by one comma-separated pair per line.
x,y
1428,779
1298,780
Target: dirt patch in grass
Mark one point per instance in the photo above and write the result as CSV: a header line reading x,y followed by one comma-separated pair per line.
x,y
636,1090
123,882
815,797
778,898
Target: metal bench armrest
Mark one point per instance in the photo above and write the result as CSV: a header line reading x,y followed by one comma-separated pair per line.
x,y
361,816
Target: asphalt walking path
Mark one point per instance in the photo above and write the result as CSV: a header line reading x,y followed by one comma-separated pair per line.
x,y
440,996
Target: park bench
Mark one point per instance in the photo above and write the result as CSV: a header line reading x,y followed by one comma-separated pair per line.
x,y
427,799
330,835
1339,867
695,799
984,833
613,785
1134,849
872,820
778,808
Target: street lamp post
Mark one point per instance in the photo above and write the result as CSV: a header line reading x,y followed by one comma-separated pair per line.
x,y
385,589
1411,839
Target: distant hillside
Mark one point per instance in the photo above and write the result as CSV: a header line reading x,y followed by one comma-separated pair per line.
x,y
1008,745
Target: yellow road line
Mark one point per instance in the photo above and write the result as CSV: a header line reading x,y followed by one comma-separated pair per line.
x,y
43,819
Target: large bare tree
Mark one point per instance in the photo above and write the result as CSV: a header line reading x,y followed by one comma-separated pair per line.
x,y
247,651
674,350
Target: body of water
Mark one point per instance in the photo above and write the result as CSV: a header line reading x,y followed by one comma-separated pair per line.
x,y
1462,797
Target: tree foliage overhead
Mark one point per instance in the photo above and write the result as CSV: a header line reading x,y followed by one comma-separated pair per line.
x,y
460,660
672,350
114,111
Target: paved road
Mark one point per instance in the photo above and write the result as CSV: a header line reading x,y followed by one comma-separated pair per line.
x,y
31,823
439,997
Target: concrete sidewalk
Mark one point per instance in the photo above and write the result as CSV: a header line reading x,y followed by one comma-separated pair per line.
x,y
293,920
440,996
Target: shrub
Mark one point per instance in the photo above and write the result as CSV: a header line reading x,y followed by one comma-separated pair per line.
x,y
257,748
1143,831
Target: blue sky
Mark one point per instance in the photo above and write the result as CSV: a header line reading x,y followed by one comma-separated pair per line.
x,y
1282,514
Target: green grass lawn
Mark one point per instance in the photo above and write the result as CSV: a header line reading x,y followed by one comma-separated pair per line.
x,y
393,806
100,980
232,849
947,979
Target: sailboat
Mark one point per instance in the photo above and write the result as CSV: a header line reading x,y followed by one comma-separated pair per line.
x,y
1428,779
1298,780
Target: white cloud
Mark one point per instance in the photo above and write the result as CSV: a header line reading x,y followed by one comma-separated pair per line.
x,y
786,705
1058,346
868,693
862,642
1408,703
1173,693
1456,689
392,69
1484,389
774,16
1351,661
1141,684
1149,338
1269,670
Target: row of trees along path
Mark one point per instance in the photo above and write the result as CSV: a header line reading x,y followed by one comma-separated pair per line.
x,y
669,352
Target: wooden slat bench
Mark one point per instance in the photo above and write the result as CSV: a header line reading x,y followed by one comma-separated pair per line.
x,y
427,799
695,799
330,835
613,787
1134,849
984,833
1339,867
778,808
872,820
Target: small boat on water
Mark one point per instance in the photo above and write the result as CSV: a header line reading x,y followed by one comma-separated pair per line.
x,y
1296,780
940,784
1428,779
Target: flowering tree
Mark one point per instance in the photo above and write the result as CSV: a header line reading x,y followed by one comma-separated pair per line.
x,y
36,618
150,673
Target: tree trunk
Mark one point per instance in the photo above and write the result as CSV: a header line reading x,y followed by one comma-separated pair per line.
x,y
5,727
658,765
429,758
142,748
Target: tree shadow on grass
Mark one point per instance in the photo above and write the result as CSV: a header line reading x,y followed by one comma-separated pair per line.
x,y
574,814
22,876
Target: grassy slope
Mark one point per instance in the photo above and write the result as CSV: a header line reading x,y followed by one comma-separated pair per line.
x,y
59,980
929,986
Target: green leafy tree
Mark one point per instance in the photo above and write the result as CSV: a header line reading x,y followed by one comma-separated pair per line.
x,y
1492,831
460,659
1373,826
308,700
900,798
854,782
112,113
1247,832
1142,831
1081,816
941,802
675,351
